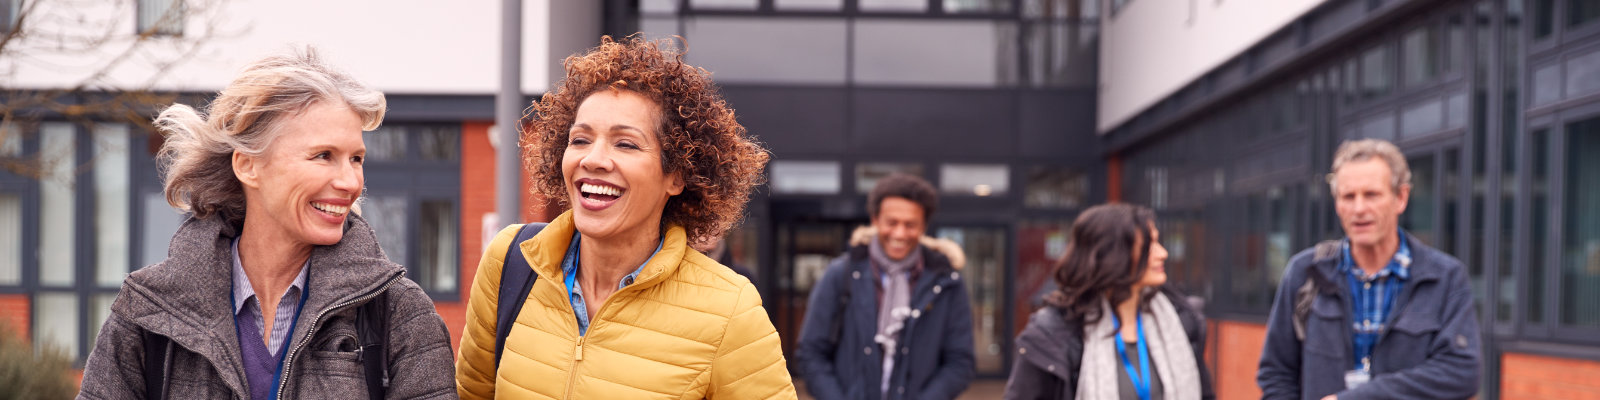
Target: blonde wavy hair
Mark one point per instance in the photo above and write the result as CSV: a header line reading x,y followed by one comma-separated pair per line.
x,y
246,117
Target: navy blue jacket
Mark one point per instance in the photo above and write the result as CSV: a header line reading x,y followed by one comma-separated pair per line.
x,y
1430,351
838,358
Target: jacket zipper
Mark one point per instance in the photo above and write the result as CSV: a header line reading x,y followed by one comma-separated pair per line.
x,y
572,374
288,365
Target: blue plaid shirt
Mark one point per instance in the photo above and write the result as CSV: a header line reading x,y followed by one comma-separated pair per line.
x,y
1372,299
569,267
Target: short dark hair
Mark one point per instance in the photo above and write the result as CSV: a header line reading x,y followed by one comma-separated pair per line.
x,y
904,186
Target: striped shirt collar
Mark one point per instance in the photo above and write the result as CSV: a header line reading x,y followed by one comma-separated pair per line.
x,y
243,291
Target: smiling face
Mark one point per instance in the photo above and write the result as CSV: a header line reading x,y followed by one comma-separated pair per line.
x,y
612,166
301,188
900,223
1368,205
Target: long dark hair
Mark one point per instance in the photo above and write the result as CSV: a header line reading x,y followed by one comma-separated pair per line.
x,y
1104,260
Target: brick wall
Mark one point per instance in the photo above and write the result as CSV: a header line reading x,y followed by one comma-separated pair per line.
x,y
1238,352
15,311
1527,376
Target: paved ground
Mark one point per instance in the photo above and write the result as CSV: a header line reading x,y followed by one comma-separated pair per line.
x,y
982,389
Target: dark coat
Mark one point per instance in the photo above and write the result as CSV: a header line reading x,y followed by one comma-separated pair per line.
x,y
1430,350
185,298
1050,351
838,357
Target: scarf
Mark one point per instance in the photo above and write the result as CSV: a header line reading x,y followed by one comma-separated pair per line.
x,y
896,304
1170,353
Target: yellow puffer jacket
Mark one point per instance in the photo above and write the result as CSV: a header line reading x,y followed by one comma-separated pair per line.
x,y
687,328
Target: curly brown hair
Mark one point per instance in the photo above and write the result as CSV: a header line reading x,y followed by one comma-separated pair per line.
x,y
700,139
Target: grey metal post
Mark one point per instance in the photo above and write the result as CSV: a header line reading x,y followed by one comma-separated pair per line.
x,y
507,115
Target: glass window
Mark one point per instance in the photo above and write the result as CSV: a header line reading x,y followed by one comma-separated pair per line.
x,y
868,174
161,17
437,268
1580,277
1070,9
967,53
10,239
1056,187
1509,186
1544,18
386,214
55,322
1062,54
974,179
439,142
99,310
1422,119
985,276
769,50
1040,245
387,143
1456,111
112,198
1379,127
9,11
1418,218
1546,84
57,192
1538,237
658,6
1377,72
805,177
161,222
1420,47
655,28
894,5
10,140
725,4
977,6
1583,74
1580,12
809,5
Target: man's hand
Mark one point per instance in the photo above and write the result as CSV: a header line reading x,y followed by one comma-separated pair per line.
x,y
1331,397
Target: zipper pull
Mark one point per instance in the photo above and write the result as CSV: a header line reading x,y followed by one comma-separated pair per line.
x,y
579,353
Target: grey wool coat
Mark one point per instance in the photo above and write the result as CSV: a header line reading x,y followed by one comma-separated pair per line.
x,y
186,298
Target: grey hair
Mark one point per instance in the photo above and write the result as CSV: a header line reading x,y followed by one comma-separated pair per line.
x,y
246,117
1361,150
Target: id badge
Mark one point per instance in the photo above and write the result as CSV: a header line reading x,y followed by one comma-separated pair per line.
x,y
1355,378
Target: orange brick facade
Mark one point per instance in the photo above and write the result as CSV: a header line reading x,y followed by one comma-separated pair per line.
x,y
15,310
1238,350
1526,376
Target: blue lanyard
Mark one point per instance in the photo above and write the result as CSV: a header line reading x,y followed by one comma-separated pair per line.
x,y
1142,385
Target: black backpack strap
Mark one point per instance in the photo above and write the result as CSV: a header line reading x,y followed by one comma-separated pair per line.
x,y
372,328
516,280
157,351
1327,251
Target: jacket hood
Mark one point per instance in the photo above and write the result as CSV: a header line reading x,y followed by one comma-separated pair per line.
x,y
958,259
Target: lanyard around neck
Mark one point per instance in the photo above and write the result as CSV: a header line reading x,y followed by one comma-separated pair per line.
x,y
1141,378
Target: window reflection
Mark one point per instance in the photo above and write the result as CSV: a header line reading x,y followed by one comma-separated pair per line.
x,y
805,177
57,195
985,276
437,266
1580,278
111,217
1056,187
975,179
868,174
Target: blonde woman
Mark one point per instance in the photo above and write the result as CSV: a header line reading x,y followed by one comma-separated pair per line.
x,y
273,288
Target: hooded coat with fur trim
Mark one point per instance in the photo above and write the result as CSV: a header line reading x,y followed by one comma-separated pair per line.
x,y
837,354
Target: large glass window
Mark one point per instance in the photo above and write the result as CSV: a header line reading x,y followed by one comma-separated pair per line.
x,y
868,174
808,5
386,214
1583,74
439,142
893,5
985,276
1418,218
1580,275
387,143
55,322
57,195
160,223
977,6
769,50
161,17
111,201
10,239
1538,225
935,52
1544,17
805,177
1377,72
1421,51
974,179
1581,12
1062,54
1056,187
437,266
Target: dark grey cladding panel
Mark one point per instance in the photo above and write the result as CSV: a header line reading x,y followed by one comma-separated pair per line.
x,y
935,122
792,120
1059,125
430,108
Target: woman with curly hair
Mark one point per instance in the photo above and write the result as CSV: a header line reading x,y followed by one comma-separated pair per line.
x,y
650,160
1114,330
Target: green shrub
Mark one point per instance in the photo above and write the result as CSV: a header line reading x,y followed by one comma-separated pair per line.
x,y
27,374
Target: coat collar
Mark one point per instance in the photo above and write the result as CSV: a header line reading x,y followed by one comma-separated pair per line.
x,y
185,297
547,249
1422,268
